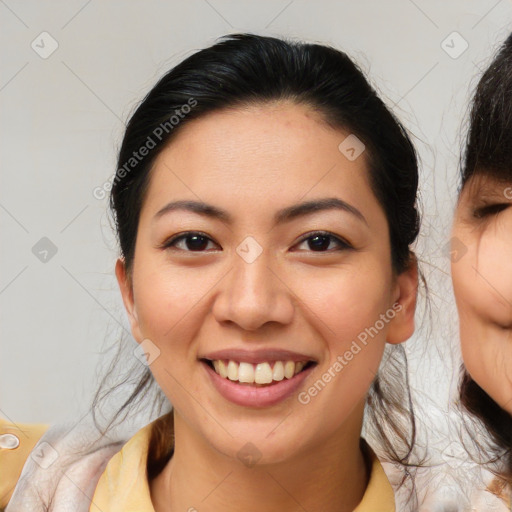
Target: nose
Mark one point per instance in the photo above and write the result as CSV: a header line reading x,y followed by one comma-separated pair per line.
x,y
253,294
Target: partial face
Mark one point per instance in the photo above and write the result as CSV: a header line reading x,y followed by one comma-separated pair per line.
x,y
482,281
267,290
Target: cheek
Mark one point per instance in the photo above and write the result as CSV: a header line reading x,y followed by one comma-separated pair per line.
x,y
349,305
351,311
483,279
164,297
495,266
171,313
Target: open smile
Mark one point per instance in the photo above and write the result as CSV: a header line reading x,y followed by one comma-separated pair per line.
x,y
257,384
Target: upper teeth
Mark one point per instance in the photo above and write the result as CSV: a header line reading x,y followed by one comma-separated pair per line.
x,y
261,373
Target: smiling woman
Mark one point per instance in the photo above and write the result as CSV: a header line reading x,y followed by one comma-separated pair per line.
x,y
265,256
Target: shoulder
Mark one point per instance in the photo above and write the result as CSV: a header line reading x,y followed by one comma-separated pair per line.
x,y
379,492
17,440
59,463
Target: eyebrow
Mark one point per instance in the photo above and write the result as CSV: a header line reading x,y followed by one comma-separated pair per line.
x,y
486,189
285,215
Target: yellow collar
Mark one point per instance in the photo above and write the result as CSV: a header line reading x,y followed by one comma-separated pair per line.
x,y
123,486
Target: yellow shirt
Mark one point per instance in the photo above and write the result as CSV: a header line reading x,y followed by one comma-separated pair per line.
x,y
123,486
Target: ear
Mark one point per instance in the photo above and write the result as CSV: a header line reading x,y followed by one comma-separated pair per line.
x,y
401,327
126,288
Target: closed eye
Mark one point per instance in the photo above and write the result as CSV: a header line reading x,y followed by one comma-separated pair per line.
x,y
490,209
196,241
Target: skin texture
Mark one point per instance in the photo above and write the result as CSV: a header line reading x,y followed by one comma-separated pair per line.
x,y
253,162
482,281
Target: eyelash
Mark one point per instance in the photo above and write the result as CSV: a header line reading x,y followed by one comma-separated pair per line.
x,y
488,210
344,245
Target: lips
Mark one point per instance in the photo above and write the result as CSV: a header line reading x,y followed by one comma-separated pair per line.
x,y
257,378
257,367
256,395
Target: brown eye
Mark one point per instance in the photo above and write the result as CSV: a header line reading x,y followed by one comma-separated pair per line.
x,y
321,240
193,241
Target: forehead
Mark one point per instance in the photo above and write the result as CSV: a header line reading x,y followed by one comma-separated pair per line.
x,y
262,155
257,132
258,141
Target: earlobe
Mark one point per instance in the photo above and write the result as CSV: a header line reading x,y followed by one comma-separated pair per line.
x,y
401,328
126,289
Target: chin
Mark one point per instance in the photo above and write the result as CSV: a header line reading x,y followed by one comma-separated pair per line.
x,y
257,446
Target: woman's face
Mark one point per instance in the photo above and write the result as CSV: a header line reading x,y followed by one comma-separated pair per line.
x,y
253,285
482,281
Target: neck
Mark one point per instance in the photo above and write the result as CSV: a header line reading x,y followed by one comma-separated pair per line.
x,y
331,477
